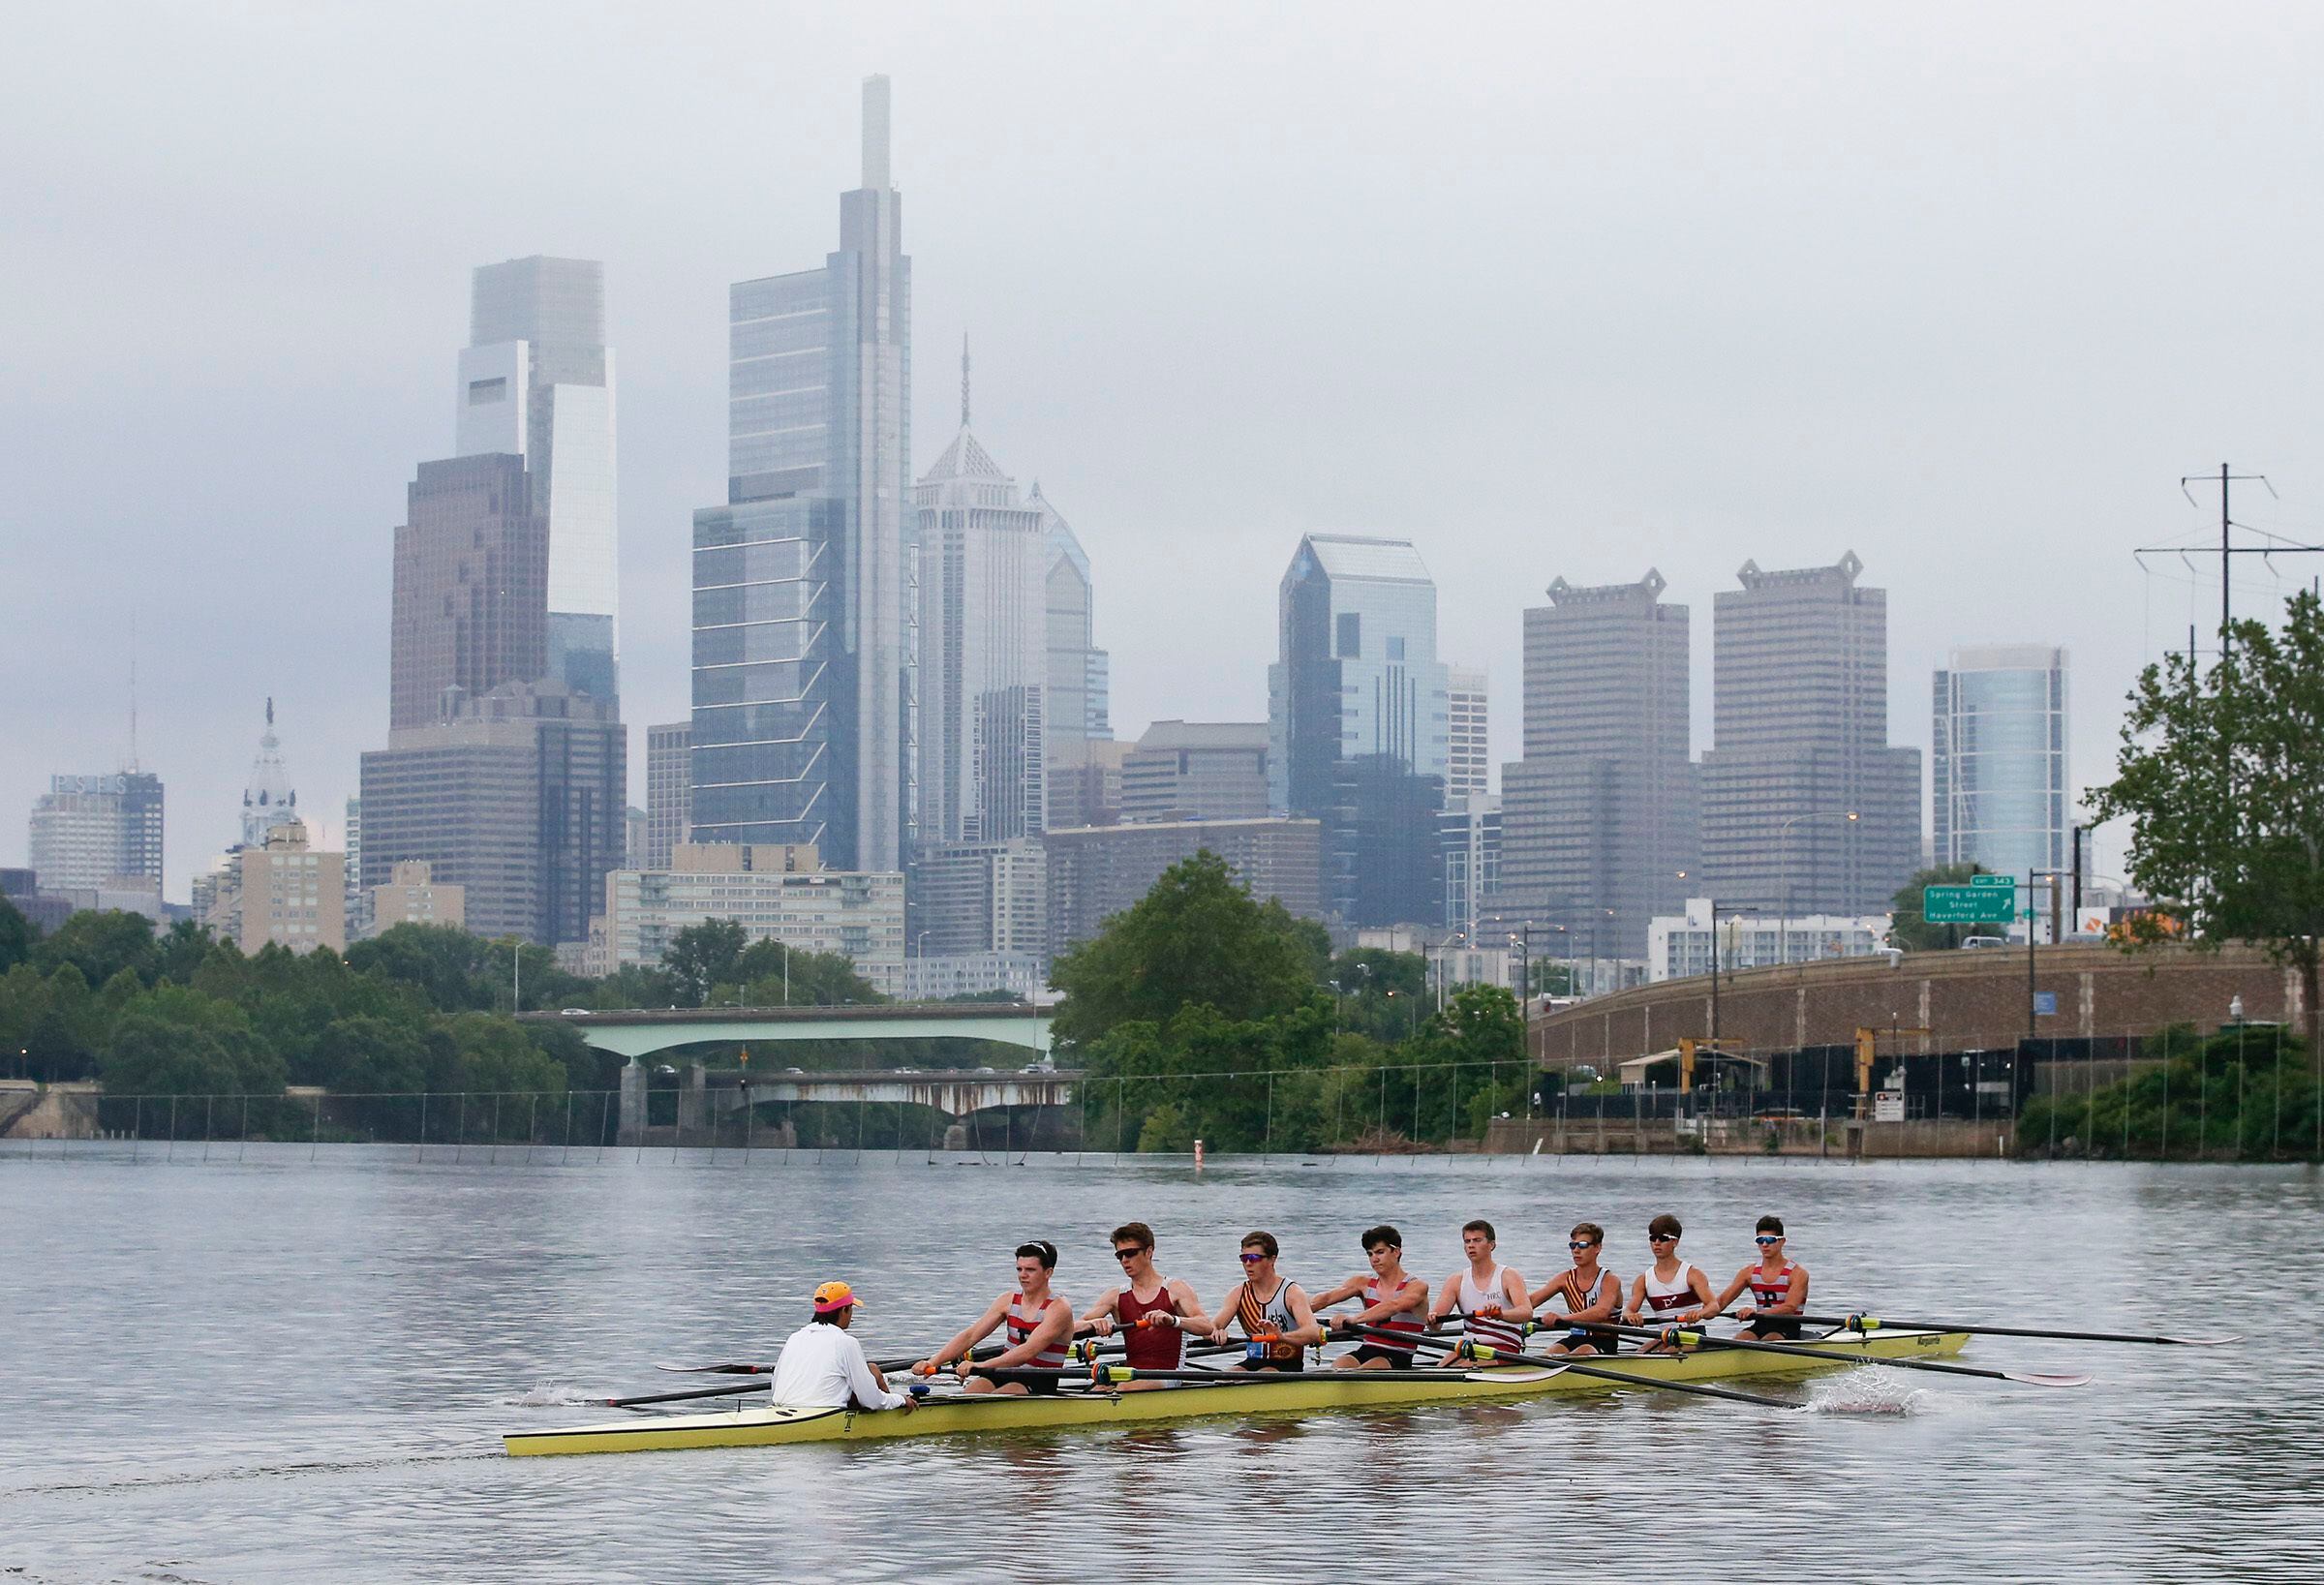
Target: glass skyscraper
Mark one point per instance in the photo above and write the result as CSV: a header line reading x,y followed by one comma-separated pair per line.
x,y
1358,722
802,689
1999,766
536,382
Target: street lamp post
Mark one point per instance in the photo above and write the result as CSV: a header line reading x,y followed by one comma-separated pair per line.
x,y
1718,908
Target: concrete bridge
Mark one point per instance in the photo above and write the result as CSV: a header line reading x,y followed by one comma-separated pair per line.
x,y
708,1099
644,1031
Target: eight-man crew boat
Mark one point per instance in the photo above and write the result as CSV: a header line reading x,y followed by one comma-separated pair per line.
x,y
1094,1400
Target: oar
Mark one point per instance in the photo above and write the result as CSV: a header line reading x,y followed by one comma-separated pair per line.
x,y
1697,1339
1561,1363
1871,1323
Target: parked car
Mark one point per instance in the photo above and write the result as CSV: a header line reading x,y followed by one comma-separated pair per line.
x,y
1977,941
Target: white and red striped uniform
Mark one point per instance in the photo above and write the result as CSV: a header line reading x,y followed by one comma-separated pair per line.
x,y
1483,1332
1023,1324
1376,1292
1767,1291
1665,1299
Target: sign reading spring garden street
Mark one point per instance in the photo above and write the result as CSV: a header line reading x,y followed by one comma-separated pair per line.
x,y
1987,905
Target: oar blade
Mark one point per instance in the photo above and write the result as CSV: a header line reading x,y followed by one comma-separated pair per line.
x,y
729,1369
2038,1378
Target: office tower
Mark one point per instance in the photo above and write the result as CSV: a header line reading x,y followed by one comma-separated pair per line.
x,y
1598,827
91,833
1096,872
536,383
633,837
1078,682
471,585
802,601
669,790
1806,808
983,678
516,796
1468,757
358,916
1998,771
268,800
1196,770
1356,722
287,892
974,897
1469,834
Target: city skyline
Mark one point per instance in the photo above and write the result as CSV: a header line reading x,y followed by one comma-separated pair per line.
x,y
1888,470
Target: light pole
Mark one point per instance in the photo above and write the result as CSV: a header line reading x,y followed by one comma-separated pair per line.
x,y
1718,908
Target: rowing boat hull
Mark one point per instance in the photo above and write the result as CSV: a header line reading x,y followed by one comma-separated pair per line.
x,y
1304,1393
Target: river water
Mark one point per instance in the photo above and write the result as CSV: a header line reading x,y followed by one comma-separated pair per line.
x,y
286,1369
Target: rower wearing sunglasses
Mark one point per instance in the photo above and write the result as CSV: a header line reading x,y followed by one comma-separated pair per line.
x,y
1569,1304
1393,1303
1670,1293
1040,1327
1778,1289
1490,1297
1153,1312
1277,1320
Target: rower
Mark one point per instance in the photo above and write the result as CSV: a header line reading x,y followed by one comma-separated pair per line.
x,y
1586,1294
1039,1324
1393,1301
1276,1319
1668,1293
1490,1297
1153,1312
821,1366
1778,1289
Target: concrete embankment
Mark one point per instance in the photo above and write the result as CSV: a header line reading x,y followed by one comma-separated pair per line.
x,y
1926,1138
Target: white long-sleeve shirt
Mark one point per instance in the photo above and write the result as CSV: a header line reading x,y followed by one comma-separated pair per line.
x,y
823,1364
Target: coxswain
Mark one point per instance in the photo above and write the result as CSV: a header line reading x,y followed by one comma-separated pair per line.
x,y
1778,1289
1490,1296
1153,1312
1588,1291
1670,1293
1393,1301
1039,1323
822,1366
1278,1323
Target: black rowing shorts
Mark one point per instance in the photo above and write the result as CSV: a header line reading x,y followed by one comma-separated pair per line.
x,y
1040,1387
1395,1359
1773,1326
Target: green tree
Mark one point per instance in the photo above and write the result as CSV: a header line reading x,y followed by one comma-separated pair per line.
x,y
101,945
1909,930
2221,777
1381,993
16,936
496,1058
183,947
448,966
1195,939
816,979
701,958
374,1056
179,1041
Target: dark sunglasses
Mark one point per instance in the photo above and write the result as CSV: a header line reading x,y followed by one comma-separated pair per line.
x,y
1127,1254
1581,1243
1764,1239
1250,1259
1662,1237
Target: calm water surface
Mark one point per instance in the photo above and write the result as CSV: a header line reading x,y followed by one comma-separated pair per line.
x,y
274,1370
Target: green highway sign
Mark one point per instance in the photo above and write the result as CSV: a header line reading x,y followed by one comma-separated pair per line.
x,y
1969,904
2011,881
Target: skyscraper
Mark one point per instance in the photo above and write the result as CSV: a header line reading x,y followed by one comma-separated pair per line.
x,y
983,678
469,606
536,383
92,833
802,598
1196,770
268,800
1598,827
1078,705
669,791
1806,808
1356,709
1468,756
1998,771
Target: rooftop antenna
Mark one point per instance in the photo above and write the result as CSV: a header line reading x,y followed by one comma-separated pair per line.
x,y
133,693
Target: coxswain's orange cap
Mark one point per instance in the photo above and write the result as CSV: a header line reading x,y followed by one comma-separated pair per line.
x,y
836,1295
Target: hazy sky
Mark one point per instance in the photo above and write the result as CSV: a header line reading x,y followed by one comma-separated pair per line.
x,y
1551,290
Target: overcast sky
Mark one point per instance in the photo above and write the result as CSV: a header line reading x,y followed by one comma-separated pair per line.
x,y
1551,290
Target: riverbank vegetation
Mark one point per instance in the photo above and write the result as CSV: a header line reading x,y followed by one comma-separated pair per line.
x,y
2247,1093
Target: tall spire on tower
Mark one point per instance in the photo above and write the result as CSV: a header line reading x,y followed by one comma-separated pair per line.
x,y
876,132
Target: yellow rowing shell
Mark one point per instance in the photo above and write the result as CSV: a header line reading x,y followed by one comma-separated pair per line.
x,y
1291,1395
